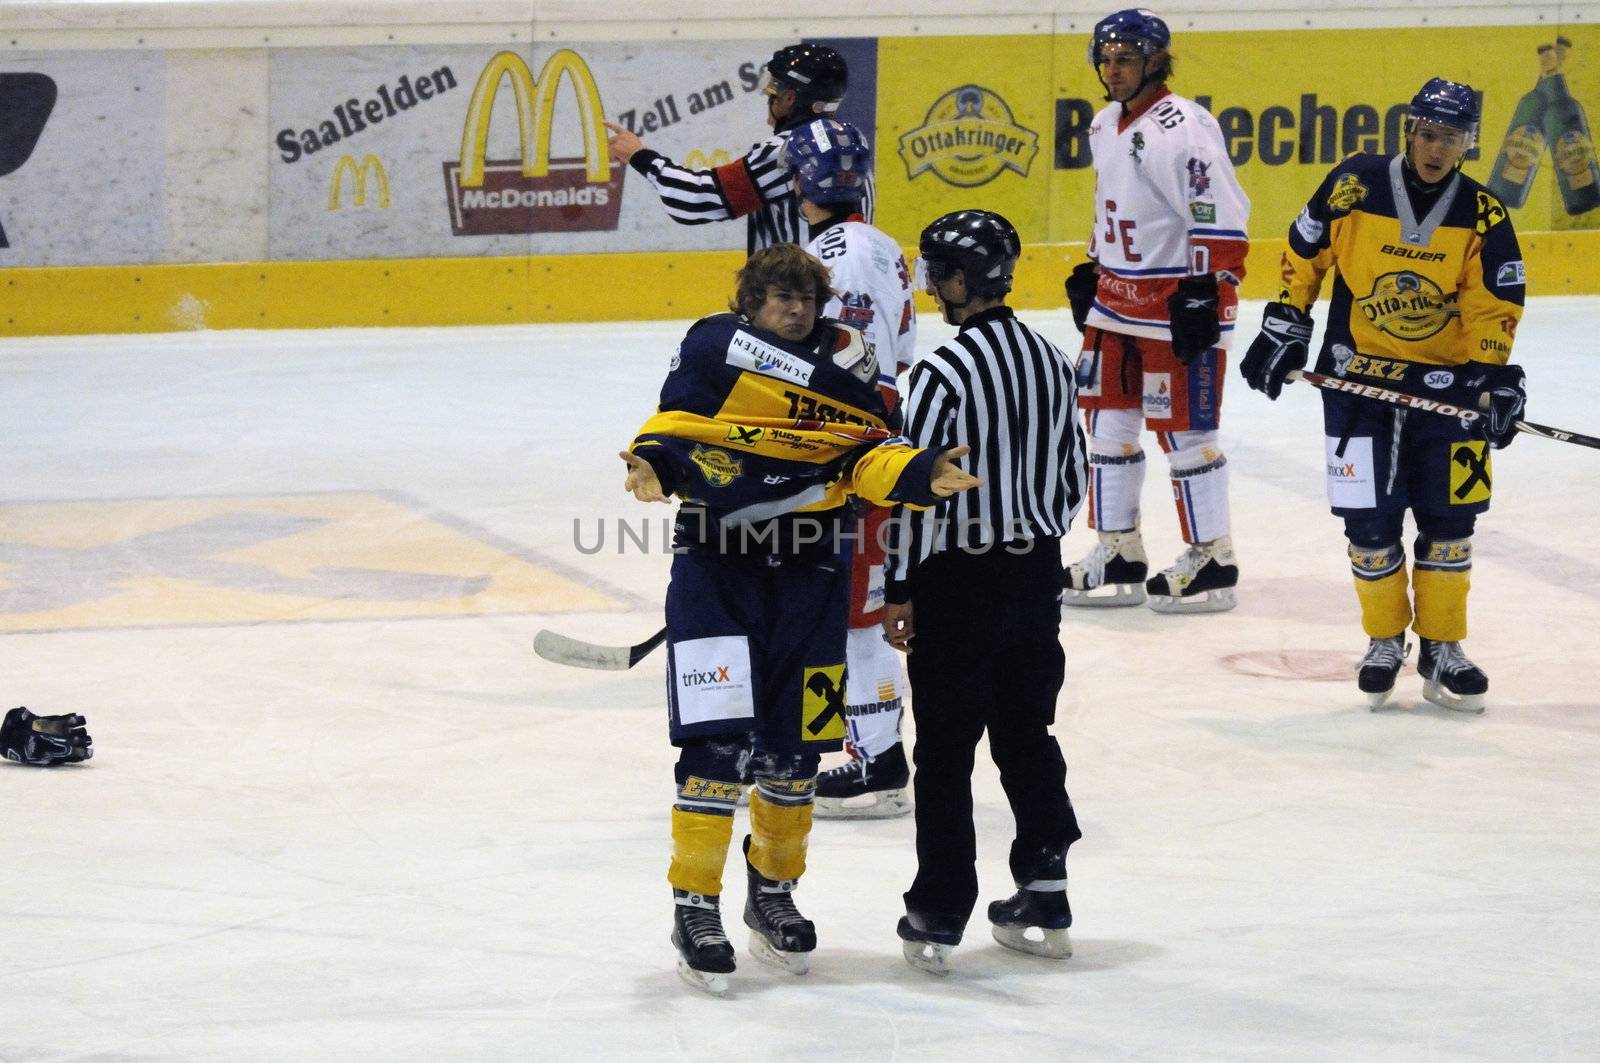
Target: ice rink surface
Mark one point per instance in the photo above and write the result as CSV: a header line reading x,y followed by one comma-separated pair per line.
x,y
340,811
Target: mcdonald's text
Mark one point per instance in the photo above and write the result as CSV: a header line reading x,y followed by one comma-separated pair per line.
x,y
354,115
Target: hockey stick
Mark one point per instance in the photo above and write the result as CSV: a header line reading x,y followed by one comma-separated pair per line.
x,y
1417,402
559,649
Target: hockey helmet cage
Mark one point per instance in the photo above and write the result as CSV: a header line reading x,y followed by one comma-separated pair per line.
x,y
832,160
980,243
1137,26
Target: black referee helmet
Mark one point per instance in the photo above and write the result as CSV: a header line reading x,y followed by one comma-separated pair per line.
x,y
980,243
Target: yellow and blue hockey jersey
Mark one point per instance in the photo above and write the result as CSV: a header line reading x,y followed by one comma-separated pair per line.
x,y
752,426
1442,289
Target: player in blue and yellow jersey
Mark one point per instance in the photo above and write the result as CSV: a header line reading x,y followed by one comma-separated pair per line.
x,y
1427,293
770,420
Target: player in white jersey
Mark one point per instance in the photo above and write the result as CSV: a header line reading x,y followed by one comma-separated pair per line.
x,y
832,164
1156,303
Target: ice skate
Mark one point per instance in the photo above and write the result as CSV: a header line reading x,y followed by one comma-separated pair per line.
x,y
1450,680
866,789
779,934
1112,574
1377,671
1035,922
705,956
928,941
1201,581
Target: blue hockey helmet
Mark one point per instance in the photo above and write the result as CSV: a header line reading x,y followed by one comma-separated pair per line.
x,y
1137,26
1447,103
832,160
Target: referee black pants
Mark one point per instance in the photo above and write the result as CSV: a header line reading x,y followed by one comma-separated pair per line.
x,y
986,656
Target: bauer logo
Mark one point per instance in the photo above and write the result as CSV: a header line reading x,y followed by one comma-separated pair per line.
x,y
26,101
369,171
968,138
535,193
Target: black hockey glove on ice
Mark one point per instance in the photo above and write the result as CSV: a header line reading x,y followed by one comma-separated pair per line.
x,y
1193,312
1283,346
1081,285
1508,395
44,740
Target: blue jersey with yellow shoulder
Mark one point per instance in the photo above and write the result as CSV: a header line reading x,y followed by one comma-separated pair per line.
x,y
753,426
1442,288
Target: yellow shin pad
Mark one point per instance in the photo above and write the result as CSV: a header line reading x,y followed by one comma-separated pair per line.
x,y
1385,606
1442,603
699,851
778,837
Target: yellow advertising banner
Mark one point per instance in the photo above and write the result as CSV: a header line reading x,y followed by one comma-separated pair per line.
x,y
963,122
1292,103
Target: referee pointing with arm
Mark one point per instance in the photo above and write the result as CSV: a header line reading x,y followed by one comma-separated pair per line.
x,y
972,590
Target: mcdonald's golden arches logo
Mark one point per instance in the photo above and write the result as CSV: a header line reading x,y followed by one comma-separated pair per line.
x,y
536,192
360,172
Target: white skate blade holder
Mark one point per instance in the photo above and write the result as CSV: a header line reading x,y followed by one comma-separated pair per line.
x,y
1034,940
705,981
1468,703
1107,595
1219,600
875,804
792,962
928,956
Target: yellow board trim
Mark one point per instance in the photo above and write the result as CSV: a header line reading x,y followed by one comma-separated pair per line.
x,y
86,300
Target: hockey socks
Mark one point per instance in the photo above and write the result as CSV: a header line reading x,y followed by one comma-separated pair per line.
x,y
1380,579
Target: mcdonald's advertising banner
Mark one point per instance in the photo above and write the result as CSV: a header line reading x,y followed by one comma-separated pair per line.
x,y
1291,103
82,158
457,151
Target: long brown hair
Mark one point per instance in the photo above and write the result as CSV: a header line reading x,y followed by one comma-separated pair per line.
x,y
785,265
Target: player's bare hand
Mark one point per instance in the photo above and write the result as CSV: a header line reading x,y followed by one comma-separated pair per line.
x,y
642,481
898,626
622,142
948,477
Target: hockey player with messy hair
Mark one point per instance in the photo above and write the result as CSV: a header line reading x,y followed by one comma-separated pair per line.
x,y
770,420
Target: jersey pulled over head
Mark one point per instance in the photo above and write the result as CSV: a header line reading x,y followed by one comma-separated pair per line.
x,y
815,72
832,160
1141,29
1441,127
980,243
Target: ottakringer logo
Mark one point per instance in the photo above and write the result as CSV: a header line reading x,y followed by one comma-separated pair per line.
x,y
26,101
1408,305
536,193
968,138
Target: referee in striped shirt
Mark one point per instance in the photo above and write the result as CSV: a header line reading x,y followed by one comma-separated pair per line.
x,y
972,593
801,83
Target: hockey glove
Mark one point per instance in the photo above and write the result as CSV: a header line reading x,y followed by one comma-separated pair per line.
x,y
1081,285
1507,396
44,740
1192,309
1283,346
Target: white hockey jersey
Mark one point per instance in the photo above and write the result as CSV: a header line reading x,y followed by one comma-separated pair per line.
x,y
1167,206
874,293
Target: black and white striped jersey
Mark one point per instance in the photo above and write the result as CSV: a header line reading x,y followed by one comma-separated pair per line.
x,y
1011,395
759,186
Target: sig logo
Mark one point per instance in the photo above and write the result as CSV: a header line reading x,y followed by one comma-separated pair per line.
x,y
370,168
26,101
536,193
1439,379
